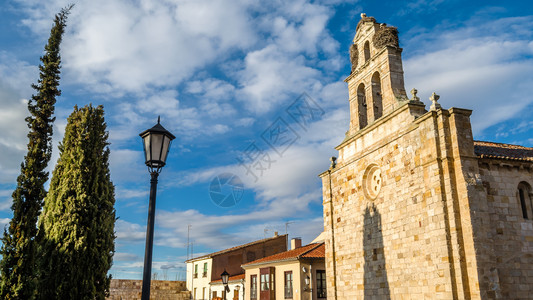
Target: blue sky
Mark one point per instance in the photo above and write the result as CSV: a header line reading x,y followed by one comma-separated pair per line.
x,y
222,74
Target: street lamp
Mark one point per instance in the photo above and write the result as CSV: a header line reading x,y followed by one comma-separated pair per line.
x,y
225,278
156,142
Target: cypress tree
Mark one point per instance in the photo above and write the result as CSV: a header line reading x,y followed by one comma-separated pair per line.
x,y
78,219
18,251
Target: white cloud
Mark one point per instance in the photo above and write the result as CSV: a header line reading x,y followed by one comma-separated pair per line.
x,y
15,81
4,222
271,76
480,67
419,6
121,256
128,232
123,193
121,46
5,205
127,166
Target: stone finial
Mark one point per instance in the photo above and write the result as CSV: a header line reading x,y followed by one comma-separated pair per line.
x,y
333,160
363,15
414,92
435,105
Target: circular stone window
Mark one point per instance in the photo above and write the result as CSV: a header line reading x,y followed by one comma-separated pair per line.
x,y
372,181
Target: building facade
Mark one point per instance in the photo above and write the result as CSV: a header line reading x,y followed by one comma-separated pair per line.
x,y
206,269
413,206
297,274
234,291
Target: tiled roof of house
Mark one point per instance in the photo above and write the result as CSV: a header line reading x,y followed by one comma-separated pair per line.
x,y
308,251
502,151
230,279
236,248
318,252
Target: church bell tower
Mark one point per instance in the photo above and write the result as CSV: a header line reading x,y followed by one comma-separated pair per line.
x,y
376,85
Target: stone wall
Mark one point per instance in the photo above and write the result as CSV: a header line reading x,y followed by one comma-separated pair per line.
x,y
409,234
511,233
410,212
123,289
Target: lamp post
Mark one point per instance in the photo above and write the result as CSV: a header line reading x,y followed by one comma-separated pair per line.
x,y
225,278
156,141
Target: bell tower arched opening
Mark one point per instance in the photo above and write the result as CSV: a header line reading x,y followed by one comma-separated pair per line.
x,y
361,106
377,101
367,51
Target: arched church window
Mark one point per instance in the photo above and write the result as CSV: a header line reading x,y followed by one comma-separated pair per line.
x,y
367,51
361,106
524,197
377,100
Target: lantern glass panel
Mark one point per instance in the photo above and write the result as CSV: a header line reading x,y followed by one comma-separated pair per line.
x,y
225,277
146,142
156,144
166,144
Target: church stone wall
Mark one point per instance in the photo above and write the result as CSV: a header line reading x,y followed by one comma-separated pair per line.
x,y
511,233
399,243
410,211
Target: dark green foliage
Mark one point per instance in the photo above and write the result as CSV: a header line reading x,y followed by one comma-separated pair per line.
x,y
78,219
18,251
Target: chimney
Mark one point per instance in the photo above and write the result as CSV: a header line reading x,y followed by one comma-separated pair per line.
x,y
296,243
275,233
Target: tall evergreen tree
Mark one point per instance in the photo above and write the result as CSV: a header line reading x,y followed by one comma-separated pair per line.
x,y
18,251
78,218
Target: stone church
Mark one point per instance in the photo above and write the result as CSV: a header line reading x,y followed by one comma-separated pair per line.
x,y
414,208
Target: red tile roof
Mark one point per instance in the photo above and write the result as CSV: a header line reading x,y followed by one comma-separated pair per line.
x,y
313,251
318,252
231,278
236,248
502,151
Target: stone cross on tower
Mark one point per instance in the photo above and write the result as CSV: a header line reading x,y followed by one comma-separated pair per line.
x,y
435,105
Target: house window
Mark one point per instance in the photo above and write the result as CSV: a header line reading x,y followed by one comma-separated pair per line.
x,y
205,270
524,191
203,293
194,295
195,271
253,287
321,284
214,294
265,282
288,285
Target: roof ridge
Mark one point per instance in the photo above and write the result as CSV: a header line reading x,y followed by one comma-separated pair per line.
x,y
506,144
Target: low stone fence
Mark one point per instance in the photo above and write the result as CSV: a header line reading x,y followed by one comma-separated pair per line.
x,y
124,289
